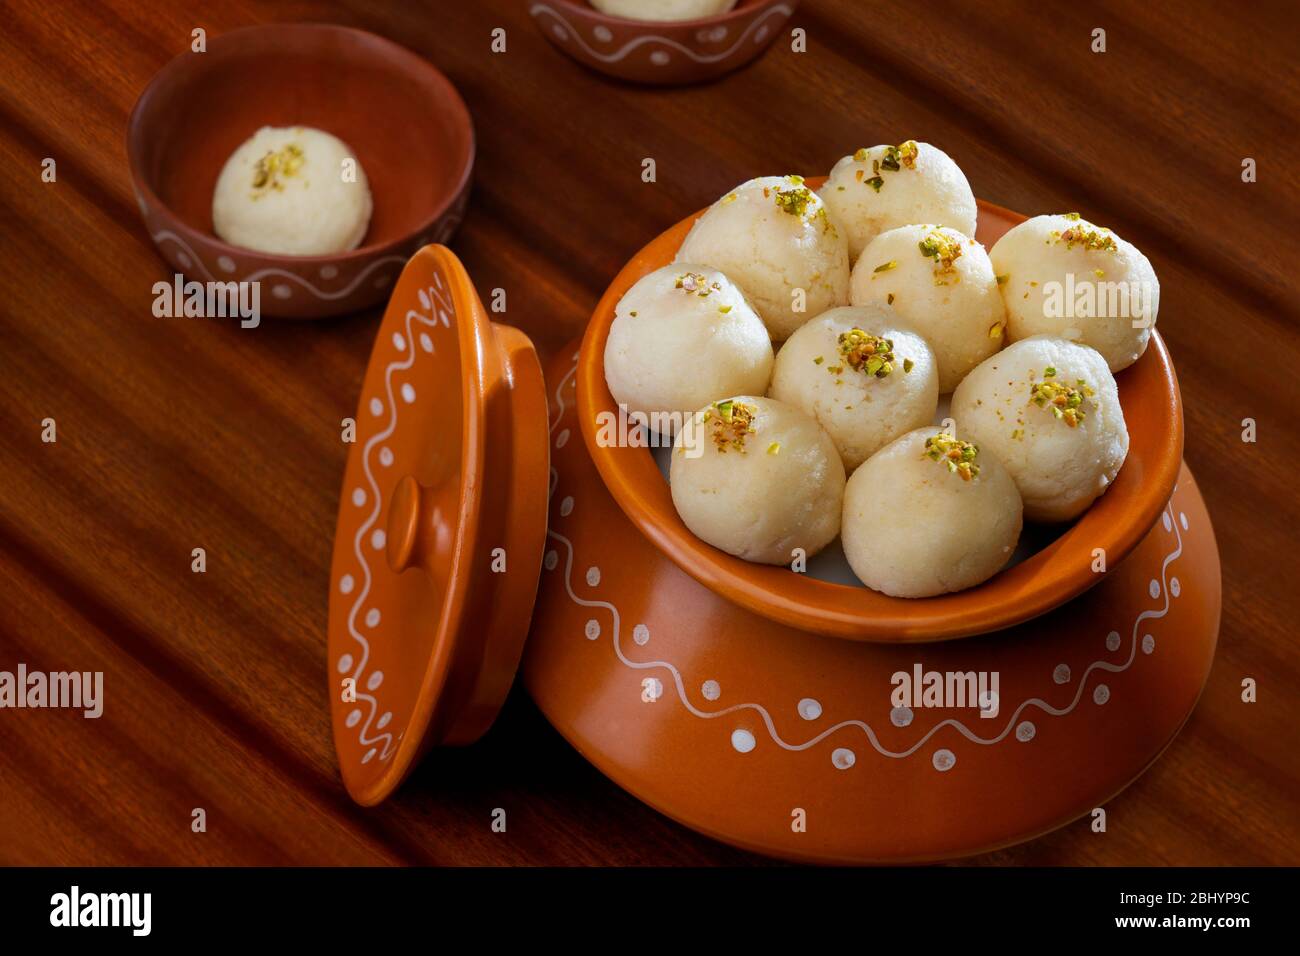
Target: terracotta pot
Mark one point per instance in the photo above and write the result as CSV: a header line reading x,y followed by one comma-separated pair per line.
x,y
662,52
405,121
703,701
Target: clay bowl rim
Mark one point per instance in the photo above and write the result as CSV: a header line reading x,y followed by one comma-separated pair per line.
x,y
135,147
739,12
1015,595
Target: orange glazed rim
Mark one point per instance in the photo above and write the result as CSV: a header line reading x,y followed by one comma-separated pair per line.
x,y
1062,570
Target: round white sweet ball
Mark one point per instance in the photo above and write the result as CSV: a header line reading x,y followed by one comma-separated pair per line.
x,y
929,514
682,336
885,187
940,282
773,236
663,9
283,191
758,479
1063,276
1049,410
865,377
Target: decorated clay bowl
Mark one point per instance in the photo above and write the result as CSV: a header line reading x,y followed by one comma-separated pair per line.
x,y
739,711
659,52
405,121
1061,570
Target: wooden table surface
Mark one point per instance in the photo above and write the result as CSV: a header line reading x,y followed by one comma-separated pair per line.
x,y
184,433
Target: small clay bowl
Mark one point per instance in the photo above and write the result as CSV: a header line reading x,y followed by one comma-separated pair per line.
x,y
1060,571
404,120
664,53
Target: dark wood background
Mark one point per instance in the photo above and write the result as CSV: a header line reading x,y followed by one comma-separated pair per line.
x,y
175,434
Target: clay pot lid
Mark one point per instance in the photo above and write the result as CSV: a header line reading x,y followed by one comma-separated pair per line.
x,y
442,518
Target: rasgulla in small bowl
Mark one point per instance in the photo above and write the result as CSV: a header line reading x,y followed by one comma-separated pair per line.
x,y
929,514
775,240
682,336
663,9
1049,410
758,479
885,187
942,283
1061,275
292,191
863,375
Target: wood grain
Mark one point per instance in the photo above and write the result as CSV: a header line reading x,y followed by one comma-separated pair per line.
x,y
175,434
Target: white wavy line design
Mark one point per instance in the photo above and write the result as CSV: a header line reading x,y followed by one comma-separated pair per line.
x,y
621,53
1097,665
168,235
404,362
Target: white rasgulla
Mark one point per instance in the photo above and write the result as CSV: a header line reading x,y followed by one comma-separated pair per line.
x,y
758,479
863,375
940,282
773,237
683,336
885,187
292,191
1063,276
663,9
1049,410
929,514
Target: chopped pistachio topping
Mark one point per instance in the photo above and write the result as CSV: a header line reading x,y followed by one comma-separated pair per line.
x,y
959,456
1072,216
1064,401
284,162
825,220
869,354
895,159
693,283
730,422
819,359
903,154
729,198
908,365
1099,239
774,448
795,201
1002,280
995,330
724,309
942,248
886,266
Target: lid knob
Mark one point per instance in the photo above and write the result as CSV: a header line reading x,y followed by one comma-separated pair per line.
x,y
421,524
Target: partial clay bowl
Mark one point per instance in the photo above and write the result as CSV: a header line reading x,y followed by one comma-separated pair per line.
x,y
1060,571
658,52
405,121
